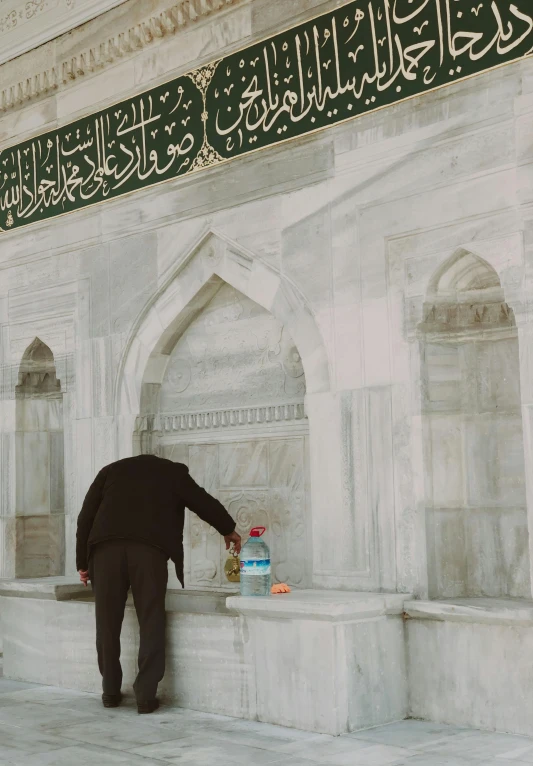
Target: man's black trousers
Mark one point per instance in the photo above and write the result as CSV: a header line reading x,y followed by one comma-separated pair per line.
x,y
114,567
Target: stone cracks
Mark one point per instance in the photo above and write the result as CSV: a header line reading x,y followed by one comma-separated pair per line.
x,y
168,22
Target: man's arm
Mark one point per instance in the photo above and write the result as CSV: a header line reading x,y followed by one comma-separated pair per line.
x,y
208,508
90,506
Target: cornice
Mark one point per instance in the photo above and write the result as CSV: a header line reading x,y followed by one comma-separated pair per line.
x,y
31,22
121,45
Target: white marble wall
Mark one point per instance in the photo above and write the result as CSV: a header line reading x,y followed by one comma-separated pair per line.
x,y
328,662
336,235
476,520
469,663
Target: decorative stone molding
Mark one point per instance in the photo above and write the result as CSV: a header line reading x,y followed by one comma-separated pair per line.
x,y
37,374
28,24
125,43
455,317
220,419
475,287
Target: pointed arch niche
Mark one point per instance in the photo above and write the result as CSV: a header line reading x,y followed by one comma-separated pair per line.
x,y
476,521
40,508
217,370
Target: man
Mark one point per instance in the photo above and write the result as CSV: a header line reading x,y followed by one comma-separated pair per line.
x,y
130,524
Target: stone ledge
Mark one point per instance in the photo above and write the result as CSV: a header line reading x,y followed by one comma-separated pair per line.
x,y
491,611
334,606
70,589
54,588
197,601
179,601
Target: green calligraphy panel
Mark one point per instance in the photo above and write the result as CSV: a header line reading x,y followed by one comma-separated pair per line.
x,y
356,59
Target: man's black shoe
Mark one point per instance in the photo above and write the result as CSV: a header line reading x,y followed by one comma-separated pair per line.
x,y
112,700
148,707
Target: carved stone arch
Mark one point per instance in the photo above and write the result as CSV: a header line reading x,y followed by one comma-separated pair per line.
x,y
37,371
258,436
213,260
462,274
465,293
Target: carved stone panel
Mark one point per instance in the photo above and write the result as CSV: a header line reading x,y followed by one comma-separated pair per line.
x,y
235,354
277,501
282,512
231,408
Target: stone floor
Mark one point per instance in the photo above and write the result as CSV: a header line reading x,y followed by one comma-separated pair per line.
x,y
47,726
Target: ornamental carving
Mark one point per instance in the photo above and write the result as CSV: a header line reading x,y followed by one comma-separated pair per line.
x,y
234,353
216,420
281,511
456,317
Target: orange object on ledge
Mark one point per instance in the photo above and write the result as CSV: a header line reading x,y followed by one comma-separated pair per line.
x,y
280,588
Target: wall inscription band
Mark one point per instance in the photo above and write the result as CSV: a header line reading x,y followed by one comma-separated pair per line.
x,y
358,58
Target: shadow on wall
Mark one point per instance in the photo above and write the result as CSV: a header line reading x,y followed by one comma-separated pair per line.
x,y
40,507
476,520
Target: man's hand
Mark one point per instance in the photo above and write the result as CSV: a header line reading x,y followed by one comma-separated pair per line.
x,y
234,538
84,576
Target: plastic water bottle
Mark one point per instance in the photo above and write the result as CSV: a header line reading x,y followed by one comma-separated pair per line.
x,y
255,565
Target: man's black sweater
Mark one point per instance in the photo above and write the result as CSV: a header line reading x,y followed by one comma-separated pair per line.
x,y
144,498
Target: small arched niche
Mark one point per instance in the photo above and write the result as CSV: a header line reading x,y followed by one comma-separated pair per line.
x,y
40,507
230,405
476,520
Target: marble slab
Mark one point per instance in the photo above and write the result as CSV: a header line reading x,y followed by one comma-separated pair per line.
x,y
48,634
334,606
70,588
469,663
55,588
328,662
489,611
